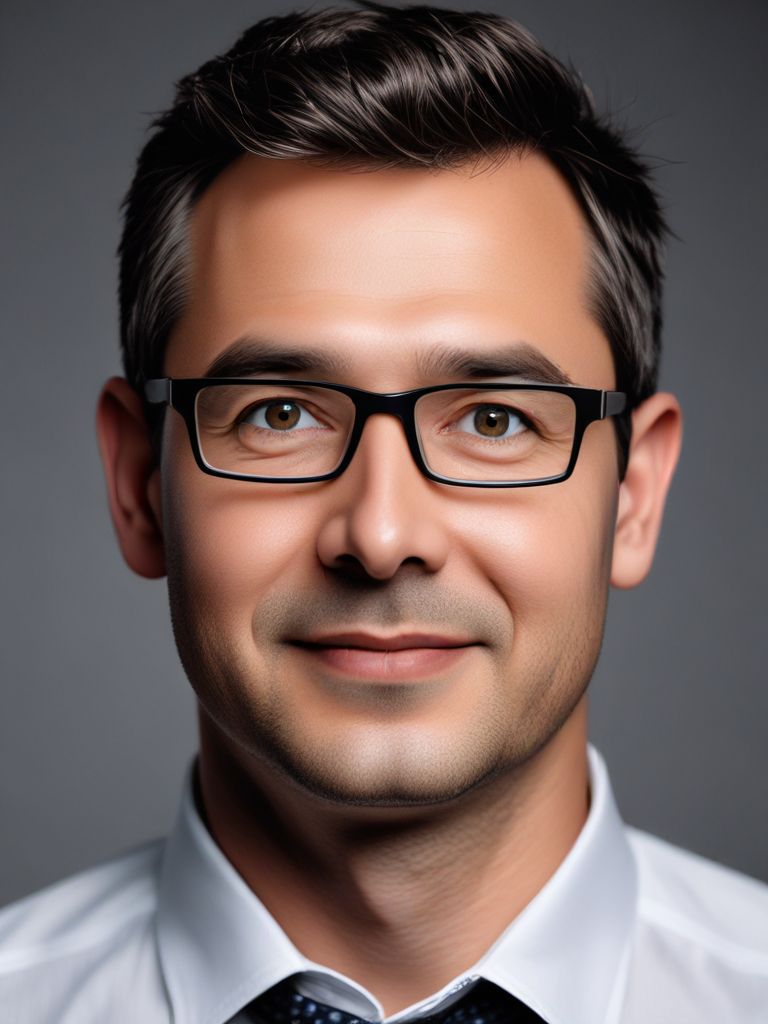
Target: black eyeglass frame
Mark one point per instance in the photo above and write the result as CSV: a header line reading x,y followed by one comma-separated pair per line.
x,y
181,392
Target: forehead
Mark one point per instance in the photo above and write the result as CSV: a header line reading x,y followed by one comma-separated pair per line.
x,y
382,265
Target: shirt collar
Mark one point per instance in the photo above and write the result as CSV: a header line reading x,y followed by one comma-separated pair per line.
x,y
563,955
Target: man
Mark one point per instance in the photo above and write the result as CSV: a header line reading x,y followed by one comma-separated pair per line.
x,y
390,301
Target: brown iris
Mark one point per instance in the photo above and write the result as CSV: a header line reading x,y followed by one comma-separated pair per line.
x,y
492,422
282,415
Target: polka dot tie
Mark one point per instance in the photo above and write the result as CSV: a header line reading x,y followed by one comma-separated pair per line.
x,y
484,1003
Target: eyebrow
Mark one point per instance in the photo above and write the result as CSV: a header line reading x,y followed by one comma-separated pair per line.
x,y
518,359
251,355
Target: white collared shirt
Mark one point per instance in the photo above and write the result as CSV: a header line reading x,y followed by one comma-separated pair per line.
x,y
628,930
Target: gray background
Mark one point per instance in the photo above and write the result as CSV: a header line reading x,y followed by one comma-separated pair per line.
x,y
97,719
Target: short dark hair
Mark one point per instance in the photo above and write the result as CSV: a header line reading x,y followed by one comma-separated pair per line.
x,y
384,86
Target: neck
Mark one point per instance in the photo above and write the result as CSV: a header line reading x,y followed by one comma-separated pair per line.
x,y
400,900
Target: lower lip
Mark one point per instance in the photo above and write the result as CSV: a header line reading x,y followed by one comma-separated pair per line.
x,y
389,666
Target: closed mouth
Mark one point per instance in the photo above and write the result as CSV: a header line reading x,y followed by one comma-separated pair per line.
x,y
370,642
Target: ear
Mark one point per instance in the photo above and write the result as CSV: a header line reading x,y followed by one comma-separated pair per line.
x,y
133,477
657,429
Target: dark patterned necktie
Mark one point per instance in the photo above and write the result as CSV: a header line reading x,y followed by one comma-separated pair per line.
x,y
484,1003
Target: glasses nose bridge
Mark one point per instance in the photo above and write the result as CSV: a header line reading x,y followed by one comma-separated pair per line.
x,y
399,404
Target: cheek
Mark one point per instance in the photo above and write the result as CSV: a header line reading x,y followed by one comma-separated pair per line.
x,y
230,542
547,551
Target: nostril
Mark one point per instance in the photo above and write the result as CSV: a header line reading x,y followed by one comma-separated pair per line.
x,y
350,569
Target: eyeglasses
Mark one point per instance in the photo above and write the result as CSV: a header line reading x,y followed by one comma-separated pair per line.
x,y
469,435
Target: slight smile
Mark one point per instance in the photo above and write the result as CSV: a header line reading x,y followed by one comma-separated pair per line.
x,y
387,659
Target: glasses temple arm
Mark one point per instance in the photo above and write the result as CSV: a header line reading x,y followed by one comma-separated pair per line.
x,y
614,402
157,391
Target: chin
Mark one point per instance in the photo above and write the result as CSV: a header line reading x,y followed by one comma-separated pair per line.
x,y
390,771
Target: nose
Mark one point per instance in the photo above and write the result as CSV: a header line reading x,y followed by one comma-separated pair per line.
x,y
382,511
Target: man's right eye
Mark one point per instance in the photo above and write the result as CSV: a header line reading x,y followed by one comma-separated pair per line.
x,y
279,415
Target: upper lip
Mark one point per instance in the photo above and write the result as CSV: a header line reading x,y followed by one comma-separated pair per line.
x,y
357,638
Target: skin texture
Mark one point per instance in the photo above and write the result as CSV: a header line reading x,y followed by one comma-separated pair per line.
x,y
394,829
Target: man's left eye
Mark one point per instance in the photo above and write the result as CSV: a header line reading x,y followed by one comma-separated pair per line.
x,y
492,421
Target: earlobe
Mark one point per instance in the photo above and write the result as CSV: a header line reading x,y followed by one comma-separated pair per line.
x,y
656,441
133,478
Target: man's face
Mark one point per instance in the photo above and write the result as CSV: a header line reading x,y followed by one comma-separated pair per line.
x,y
376,268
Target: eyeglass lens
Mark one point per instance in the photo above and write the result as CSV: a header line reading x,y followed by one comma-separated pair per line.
x,y
280,431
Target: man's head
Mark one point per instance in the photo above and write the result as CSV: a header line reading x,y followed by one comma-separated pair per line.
x,y
392,87
379,186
